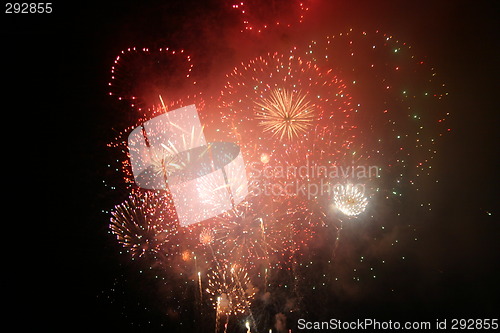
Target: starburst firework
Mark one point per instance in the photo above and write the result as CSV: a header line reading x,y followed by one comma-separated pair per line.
x,y
142,224
286,114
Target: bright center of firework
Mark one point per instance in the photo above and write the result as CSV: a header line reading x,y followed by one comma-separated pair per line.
x,y
349,199
265,158
286,114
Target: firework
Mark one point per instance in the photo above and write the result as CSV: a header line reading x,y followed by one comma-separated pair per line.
x,y
231,290
207,236
265,158
143,224
285,110
285,114
265,232
242,233
349,199
292,99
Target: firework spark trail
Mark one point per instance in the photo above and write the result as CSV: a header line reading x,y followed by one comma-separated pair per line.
x,y
217,314
337,240
244,291
199,283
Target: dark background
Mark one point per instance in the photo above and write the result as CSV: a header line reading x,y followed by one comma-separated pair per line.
x,y
61,259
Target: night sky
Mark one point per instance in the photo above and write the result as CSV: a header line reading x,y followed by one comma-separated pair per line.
x,y
56,99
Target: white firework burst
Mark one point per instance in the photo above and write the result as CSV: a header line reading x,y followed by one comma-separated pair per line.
x,y
350,200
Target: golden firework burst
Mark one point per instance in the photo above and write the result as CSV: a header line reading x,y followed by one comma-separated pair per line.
x,y
286,114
